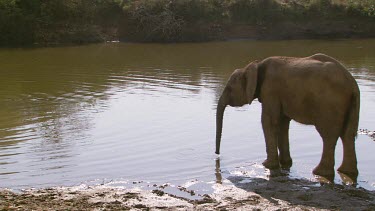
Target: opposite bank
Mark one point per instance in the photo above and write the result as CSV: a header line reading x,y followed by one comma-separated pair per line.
x,y
28,22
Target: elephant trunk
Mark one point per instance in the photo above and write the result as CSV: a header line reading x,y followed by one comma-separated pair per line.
x,y
219,122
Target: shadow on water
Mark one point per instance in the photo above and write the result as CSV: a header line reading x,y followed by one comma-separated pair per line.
x,y
299,191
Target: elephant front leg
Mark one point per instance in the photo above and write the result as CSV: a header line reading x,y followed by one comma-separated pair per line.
x,y
271,128
283,144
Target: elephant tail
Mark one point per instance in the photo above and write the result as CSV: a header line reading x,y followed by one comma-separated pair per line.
x,y
352,117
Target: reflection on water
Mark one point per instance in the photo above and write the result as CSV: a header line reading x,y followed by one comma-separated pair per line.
x,y
219,178
146,112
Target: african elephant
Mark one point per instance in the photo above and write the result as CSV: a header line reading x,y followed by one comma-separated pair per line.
x,y
316,90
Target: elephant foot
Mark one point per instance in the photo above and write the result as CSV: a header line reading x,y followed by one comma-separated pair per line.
x,y
352,173
286,163
271,164
325,172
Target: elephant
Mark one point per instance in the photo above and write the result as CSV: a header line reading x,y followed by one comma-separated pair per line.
x,y
316,90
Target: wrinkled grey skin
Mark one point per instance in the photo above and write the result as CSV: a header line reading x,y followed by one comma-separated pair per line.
x,y
316,90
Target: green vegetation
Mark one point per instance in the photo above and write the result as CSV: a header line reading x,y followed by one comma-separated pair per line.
x,y
197,20
55,21
80,21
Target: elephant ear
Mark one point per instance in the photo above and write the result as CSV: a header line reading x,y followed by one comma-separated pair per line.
x,y
251,75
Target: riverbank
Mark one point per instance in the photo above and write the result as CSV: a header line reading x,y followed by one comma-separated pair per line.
x,y
237,192
80,21
292,30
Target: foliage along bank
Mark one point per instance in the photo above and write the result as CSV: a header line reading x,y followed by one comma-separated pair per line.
x,y
24,22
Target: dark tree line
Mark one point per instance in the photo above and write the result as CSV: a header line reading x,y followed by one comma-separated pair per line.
x,y
29,21
25,22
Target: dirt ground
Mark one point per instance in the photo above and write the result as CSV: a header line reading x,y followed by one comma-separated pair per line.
x,y
237,193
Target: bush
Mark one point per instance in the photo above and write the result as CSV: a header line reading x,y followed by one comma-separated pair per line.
x,y
28,21
170,20
152,20
254,11
364,8
15,26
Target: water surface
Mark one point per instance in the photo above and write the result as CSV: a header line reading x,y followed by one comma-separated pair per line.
x,y
146,112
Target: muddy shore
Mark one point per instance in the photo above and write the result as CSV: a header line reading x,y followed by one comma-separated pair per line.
x,y
235,193
222,32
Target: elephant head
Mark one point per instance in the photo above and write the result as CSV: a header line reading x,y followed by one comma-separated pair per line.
x,y
239,90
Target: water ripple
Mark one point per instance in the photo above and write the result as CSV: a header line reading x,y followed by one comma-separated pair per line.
x,y
146,113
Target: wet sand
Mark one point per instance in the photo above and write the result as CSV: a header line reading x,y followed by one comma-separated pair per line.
x,y
236,193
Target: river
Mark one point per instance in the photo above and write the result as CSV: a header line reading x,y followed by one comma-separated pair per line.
x,y
124,112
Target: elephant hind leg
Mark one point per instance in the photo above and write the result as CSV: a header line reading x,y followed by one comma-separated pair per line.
x,y
327,162
349,163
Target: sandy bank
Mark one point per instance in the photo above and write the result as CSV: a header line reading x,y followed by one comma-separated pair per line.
x,y
237,192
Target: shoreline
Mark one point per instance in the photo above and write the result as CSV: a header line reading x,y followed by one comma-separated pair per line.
x,y
235,192
226,32
234,39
